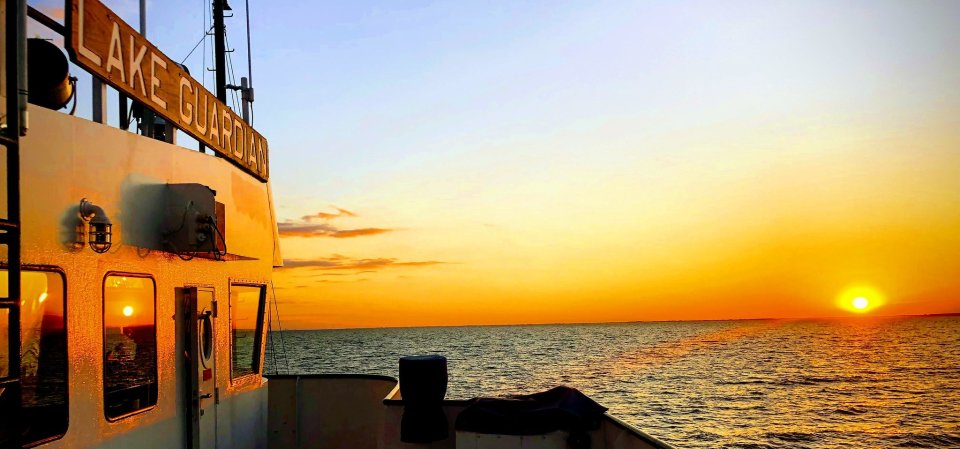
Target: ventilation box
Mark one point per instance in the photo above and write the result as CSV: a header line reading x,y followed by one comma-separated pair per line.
x,y
194,222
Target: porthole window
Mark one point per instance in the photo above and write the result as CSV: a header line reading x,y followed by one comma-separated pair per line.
x,y
206,339
129,344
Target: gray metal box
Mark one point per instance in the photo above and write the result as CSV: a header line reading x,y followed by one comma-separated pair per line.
x,y
193,220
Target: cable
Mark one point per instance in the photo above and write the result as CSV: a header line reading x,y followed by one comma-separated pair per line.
x,y
182,257
213,53
202,40
129,119
183,222
230,73
283,345
222,239
203,66
272,347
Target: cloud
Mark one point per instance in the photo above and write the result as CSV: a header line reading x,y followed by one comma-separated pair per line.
x,y
348,233
311,226
309,230
338,262
328,216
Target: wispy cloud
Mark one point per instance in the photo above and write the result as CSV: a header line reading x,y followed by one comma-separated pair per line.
x,y
293,229
317,225
328,215
338,262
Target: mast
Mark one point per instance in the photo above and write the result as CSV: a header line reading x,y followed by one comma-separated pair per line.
x,y
246,84
219,46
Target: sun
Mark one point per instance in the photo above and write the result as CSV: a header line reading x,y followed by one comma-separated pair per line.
x,y
860,299
860,303
127,311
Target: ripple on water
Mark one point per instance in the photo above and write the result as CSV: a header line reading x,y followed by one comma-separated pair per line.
x,y
819,384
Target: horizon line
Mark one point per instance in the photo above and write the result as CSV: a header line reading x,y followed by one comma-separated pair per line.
x,y
831,317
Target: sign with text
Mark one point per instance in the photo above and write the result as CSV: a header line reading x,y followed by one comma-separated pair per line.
x,y
99,41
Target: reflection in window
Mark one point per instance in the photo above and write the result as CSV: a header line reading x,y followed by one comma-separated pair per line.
x,y
43,361
7,403
246,325
129,344
4,343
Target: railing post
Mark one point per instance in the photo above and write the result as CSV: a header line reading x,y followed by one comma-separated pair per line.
x,y
99,90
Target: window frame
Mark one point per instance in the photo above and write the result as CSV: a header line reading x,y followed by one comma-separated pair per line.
x,y
258,336
103,340
66,339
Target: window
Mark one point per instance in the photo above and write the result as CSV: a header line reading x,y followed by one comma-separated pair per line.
x,y
43,361
246,325
129,344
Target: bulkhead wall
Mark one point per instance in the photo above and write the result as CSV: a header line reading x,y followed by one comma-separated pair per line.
x,y
65,159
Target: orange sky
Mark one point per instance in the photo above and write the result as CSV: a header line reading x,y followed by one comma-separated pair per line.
x,y
675,163
739,233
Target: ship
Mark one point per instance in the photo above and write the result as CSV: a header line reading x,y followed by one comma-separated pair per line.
x,y
136,275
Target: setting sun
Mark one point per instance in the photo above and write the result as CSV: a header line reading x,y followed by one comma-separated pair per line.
x,y
860,303
861,299
127,311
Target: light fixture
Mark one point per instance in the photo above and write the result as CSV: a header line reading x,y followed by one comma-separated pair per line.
x,y
101,233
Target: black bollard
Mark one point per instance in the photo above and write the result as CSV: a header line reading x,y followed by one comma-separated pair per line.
x,y
423,384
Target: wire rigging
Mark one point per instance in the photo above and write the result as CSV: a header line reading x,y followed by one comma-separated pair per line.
x,y
213,52
283,346
203,67
230,73
202,40
272,348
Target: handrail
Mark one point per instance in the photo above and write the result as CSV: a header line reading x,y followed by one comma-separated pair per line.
x,y
332,376
16,107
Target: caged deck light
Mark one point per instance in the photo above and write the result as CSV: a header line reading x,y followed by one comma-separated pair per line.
x,y
101,229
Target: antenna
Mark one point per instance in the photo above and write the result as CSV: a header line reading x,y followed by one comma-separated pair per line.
x,y
246,93
249,53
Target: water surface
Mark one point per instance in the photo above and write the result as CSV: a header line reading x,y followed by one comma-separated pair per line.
x,y
871,382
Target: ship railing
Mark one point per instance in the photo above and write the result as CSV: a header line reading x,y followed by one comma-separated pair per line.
x,y
364,411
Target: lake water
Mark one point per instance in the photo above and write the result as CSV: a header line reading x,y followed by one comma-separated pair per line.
x,y
869,382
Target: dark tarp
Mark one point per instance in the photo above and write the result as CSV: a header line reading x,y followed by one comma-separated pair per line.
x,y
560,408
